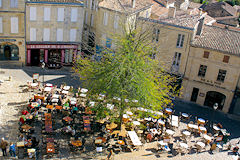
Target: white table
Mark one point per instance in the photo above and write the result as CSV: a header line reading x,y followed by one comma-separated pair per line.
x,y
170,132
65,92
207,137
125,116
193,126
66,88
117,98
162,143
54,100
56,96
129,113
201,128
161,122
216,128
91,103
34,84
186,133
49,85
148,119
47,89
201,120
136,123
201,144
83,90
83,95
183,145
110,106
185,115
73,102
154,131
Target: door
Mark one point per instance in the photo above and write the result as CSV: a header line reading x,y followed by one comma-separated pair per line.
x,y
35,57
194,94
7,52
213,97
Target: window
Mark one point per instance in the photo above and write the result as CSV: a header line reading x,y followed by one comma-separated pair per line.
x,y
73,33
105,18
86,17
33,35
156,35
180,40
221,75
14,4
14,24
202,71
59,34
206,54
92,20
74,14
1,25
0,3
47,14
33,14
90,4
93,5
116,19
46,34
176,59
226,59
60,15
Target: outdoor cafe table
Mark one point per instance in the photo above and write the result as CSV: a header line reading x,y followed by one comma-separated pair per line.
x,y
185,115
66,88
47,89
202,129
183,145
49,85
49,106
201,144
201,121
161,122
65,92
50,148
34,84
83,90
207,137
54,100
216,128
55,96
192,126
168,110
154,131
76,143
186,133
170,132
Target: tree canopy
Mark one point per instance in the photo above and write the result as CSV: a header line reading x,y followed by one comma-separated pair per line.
x,y
129,73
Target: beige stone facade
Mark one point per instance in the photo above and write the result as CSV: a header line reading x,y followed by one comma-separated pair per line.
x,y
12,32
53,29
210,83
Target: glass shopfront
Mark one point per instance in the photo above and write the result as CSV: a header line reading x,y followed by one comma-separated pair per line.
x,y
9,52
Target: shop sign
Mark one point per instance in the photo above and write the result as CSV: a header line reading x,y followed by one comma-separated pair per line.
x,y
7,40
39,46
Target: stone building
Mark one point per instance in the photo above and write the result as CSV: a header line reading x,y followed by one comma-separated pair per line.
x,y
53,31
212,69
12,31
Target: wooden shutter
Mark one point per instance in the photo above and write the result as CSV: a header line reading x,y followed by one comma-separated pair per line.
x,y
74,14
73,33
33,34
33,16
116,19
59,34
226,59
60,14
1,25
206,54
14,24
46,34
47,13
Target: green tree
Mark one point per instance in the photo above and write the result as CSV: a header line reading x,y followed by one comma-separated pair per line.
x,y
128,72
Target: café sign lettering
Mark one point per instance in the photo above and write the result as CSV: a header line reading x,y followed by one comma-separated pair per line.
x,y
38,46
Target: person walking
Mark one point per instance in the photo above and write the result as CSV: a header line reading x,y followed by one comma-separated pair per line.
x,y
12,149
3,146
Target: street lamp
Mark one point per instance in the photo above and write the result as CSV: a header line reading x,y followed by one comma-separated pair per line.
x,y
43,66
215,107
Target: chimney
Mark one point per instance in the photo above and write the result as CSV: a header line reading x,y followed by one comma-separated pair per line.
x,y
171,12
200,26
133,3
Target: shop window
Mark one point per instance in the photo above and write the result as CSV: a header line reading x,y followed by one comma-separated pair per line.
x,y
202,71
9,52
226,59
206,54
221,75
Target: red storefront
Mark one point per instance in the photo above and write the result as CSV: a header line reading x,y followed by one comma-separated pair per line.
x,y
51,54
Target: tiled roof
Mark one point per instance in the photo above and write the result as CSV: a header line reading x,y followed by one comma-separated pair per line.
x,y
125,6
237,8
219,39
193,5
158,10
221,5
58,1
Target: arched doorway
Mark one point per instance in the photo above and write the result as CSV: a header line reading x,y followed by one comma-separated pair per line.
x,y
7,52
213,97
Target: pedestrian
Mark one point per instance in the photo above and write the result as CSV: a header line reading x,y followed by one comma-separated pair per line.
x,y
4,145
12,149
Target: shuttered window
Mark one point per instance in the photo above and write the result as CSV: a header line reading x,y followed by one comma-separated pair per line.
x,y
14,24
47,14
33,35
105,18
33,13
206,54
59,34
116,19
60,15
92,20
14,4
86,17
46,34
226,59
73,33
1,25
74,14
0,3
